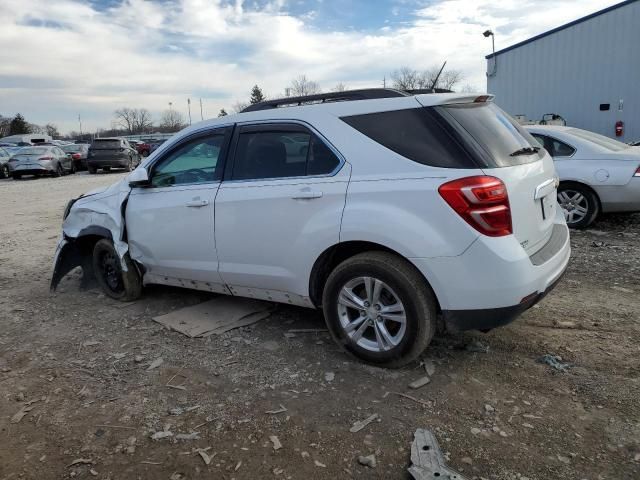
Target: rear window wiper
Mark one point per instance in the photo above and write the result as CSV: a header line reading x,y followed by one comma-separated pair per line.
x,y
525,151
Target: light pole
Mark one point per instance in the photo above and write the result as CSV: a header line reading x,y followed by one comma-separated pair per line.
x,y
80,122
170,105
189,107
487,34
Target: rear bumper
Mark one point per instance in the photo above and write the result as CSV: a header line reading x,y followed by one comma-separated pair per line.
x,y
31,170
116,162
495,280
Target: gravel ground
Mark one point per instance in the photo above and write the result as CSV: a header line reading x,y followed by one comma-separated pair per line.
x,y
75,383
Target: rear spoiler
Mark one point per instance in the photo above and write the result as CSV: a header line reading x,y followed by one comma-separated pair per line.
x,y
454,98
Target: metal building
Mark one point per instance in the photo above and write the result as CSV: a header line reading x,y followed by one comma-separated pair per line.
x,y
588,71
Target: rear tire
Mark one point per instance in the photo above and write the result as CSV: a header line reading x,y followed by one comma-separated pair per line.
x,y
106,169
91,170
579,204
390,328
16,176
59,171
4,171
116,283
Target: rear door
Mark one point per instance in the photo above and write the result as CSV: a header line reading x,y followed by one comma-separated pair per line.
x,y
279,207
511,154
106,149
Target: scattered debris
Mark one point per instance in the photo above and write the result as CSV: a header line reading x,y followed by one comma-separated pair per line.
x,y
426,457
282,409
360,424
622,289
475,431
467,460
319,464
161,435
478,347
20,414
329,376
93,472
489,408
417,400
180,410
276,442
155,364
368,461
554,361
205,457
238,465
429,367
419,383
563,459
90,343
81,461
215,316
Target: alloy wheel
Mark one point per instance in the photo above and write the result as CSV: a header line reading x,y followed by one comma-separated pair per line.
x,y
371,314
574,205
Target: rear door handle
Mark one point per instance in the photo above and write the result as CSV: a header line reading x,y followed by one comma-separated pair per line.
x,y
197,203
306,195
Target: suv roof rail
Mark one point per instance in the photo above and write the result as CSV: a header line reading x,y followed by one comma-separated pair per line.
x,y
347,95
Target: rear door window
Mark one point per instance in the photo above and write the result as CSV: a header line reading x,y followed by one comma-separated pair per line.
x,y
418,134
106,144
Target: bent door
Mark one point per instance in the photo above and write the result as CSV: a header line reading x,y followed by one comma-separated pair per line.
x,y
170,223
279,207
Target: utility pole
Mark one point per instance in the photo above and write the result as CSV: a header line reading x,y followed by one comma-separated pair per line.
x,y
384,82
201,115
170,105
189,107
80,122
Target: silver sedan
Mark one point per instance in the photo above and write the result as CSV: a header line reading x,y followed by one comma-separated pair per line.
x,y
40,160
597,174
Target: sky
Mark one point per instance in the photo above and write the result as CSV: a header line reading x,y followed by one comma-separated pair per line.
x,y
64,58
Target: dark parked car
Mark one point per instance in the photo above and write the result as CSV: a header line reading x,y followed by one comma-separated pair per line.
x,y
108,153
155,144
40,160
4,158
79,154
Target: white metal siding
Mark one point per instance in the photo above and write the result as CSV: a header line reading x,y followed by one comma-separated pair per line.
x,y
574,70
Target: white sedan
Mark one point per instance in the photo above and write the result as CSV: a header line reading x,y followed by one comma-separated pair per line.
x,y
597,174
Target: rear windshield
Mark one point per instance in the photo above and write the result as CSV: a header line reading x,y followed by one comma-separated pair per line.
x,y
97,144
499,135
600,140
72,148
34,151
419,134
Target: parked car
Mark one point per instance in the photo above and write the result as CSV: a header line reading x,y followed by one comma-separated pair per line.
x,y
108,153
408,214
79,154
153,145
143,148
40,160
597,174
4,159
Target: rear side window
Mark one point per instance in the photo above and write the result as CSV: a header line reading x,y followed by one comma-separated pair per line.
x,y
419,134
504,141
98,144
269,153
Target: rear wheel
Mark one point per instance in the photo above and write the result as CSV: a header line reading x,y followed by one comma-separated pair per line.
x,y
16,176
130,164
91,169
106,169
4,171
59,171
579,204
379,308
113,280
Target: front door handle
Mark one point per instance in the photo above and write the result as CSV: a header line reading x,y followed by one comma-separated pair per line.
x,y
197,203
306,195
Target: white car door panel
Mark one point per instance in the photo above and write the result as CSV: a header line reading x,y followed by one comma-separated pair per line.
x,y
270,231
170,223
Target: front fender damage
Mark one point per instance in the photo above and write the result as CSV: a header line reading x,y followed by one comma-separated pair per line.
x,y
90,218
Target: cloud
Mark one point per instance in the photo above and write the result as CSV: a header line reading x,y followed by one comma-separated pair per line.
x,y
64,57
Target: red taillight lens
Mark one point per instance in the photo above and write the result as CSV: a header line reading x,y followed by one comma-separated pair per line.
x,y
637,174
482,202
75,156
45,158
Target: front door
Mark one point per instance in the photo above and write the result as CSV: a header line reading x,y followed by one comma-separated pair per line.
x,y
170,223
279,207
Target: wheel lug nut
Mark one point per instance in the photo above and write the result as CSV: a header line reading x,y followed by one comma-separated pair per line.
x,y
378,307
363,313
379,318
367,304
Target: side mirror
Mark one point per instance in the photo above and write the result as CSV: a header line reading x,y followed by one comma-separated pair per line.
x,y
139,178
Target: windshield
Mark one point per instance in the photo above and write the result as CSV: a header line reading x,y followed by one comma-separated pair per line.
x,y
72,148
34,151
98,144
600,140
499,135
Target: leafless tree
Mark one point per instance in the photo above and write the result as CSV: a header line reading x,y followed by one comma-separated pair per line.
x,y
126,118
449,79
51,130
406,78
172,121
239,106
33,128
340,87
302,86
409,79
142,120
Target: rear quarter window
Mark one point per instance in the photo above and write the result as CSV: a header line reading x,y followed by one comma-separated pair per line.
x,y
418,134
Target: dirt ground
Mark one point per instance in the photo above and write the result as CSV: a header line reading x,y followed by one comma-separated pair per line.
x,y
76,365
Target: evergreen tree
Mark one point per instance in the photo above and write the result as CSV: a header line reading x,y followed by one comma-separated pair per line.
x,y
256,95
18,125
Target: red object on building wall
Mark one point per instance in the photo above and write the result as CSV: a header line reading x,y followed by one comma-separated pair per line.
x,y
619,128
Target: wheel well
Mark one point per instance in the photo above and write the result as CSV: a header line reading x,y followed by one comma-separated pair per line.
x,y
333,256
585,186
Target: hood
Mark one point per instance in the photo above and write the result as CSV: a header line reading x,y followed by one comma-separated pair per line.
x,y
103,192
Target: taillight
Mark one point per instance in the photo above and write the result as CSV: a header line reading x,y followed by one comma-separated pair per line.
x,y
482,202
75,156
637,174
45,158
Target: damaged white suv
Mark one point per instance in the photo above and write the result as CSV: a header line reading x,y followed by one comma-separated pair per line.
x,y
398,215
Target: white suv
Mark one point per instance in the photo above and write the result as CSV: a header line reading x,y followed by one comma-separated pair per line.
x,y
398,215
